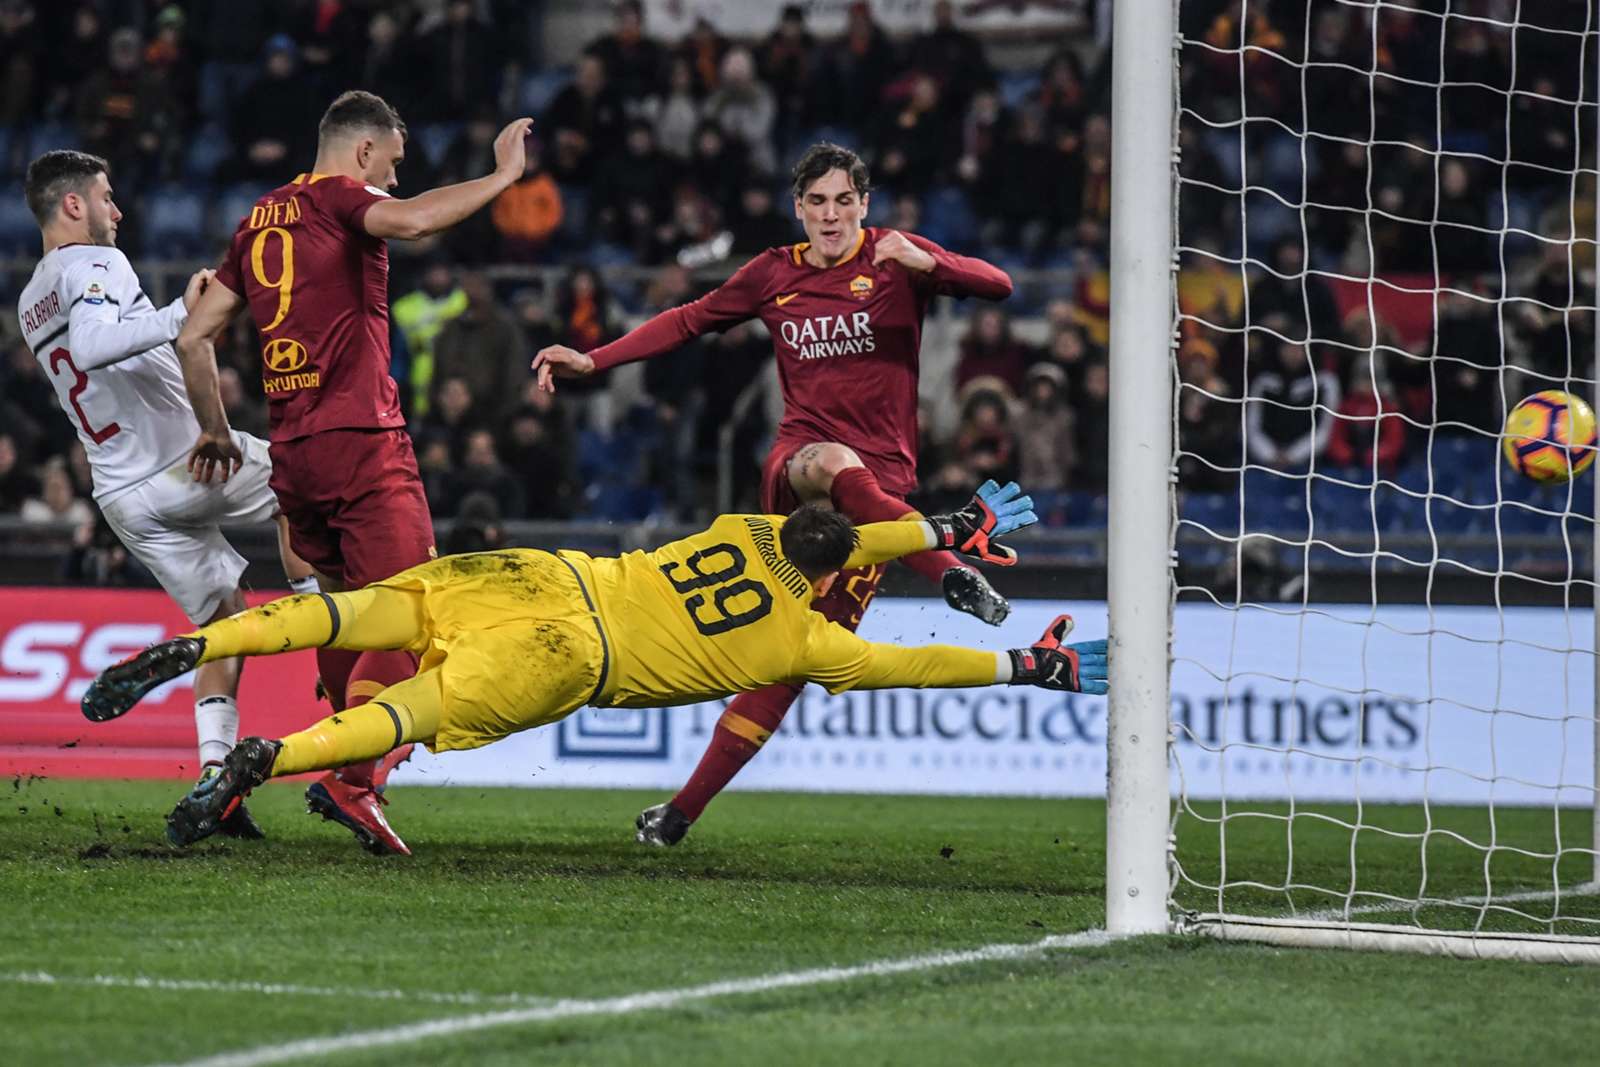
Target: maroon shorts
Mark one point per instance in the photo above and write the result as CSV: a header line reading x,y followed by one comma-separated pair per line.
x,y
854,589
354,503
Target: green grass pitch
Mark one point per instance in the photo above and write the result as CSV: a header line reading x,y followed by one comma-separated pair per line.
x,y
518,895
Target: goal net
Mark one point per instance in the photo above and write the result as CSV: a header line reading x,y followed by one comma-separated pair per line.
x,y
1382,680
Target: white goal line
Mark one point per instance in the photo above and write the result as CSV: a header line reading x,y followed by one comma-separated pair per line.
x,y
269,989
628,1004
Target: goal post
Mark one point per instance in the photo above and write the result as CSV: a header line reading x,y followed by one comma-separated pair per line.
x,y
1353,653
1139,522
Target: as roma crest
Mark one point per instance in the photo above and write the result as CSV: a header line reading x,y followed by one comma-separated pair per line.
x,y
861,287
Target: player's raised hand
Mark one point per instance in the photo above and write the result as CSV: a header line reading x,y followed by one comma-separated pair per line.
x,y
197,285
1049,664
511,148
895,247
994,511
214,456
559,361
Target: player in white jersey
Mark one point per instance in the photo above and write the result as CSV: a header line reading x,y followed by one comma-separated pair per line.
x,y
108,351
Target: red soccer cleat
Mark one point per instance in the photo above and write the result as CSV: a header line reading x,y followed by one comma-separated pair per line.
x,y
380,774
358,809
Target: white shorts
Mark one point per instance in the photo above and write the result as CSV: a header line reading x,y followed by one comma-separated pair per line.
x,y
170,524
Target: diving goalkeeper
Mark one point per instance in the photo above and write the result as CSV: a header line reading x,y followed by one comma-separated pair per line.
x,y
515,639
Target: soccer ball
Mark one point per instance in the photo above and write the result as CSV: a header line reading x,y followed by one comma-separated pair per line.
x,y
1550,436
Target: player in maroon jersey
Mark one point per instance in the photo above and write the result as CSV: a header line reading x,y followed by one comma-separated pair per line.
x,y
845,311
311,264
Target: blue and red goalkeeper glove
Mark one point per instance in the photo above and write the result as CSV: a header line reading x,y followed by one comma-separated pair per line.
x,y
1048,664
994,511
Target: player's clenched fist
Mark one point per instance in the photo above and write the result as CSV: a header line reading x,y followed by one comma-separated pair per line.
x,y
197,285
560,361
895,247
511,148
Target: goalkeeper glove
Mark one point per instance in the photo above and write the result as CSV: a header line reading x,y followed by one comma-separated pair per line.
x,y
1048,664
994,511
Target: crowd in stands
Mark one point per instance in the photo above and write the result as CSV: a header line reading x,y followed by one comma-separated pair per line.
x,y
672,156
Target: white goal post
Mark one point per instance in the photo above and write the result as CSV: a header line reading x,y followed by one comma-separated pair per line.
x,y
1352,684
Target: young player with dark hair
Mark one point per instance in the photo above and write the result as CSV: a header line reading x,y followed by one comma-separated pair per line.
x,y
108,351
311,264
516,639
845,311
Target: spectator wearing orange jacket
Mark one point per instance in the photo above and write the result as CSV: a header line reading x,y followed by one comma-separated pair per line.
x,y
529,213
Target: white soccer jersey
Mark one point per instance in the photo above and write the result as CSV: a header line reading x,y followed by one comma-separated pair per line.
x,y
108,351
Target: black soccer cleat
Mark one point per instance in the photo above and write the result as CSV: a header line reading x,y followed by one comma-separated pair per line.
x,y
122,685
241,825
211,803
662,826
967,590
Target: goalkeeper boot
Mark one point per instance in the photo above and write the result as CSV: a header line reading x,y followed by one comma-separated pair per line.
x,y
122,685
214,798
662,826
358,809
968,590
240,824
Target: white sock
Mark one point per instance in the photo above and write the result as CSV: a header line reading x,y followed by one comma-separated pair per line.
x,y
308,584
216,720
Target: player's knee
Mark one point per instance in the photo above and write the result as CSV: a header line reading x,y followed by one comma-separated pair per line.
x,y
814,467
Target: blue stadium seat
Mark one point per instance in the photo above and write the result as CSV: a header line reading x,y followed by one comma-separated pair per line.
x,y
46,136
1448,517
208,149
174,220
1520,521
1339,507
947,218
540,88
574,215
1017,86
19,234
603,254
1275,503
435,139
620,503
843,136
1217,512
1051,506
1464,467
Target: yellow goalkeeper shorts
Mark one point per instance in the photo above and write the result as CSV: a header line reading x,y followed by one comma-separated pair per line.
x,y
514,638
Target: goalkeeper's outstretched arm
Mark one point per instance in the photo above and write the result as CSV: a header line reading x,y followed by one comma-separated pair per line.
x,y
838,660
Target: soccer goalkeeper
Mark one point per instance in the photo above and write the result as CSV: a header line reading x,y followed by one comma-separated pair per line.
x,y
515,639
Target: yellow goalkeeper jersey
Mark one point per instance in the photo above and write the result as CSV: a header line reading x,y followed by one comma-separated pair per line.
x,y
723,611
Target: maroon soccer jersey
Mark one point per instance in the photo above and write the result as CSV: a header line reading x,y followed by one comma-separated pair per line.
x,y
847,338
318,289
